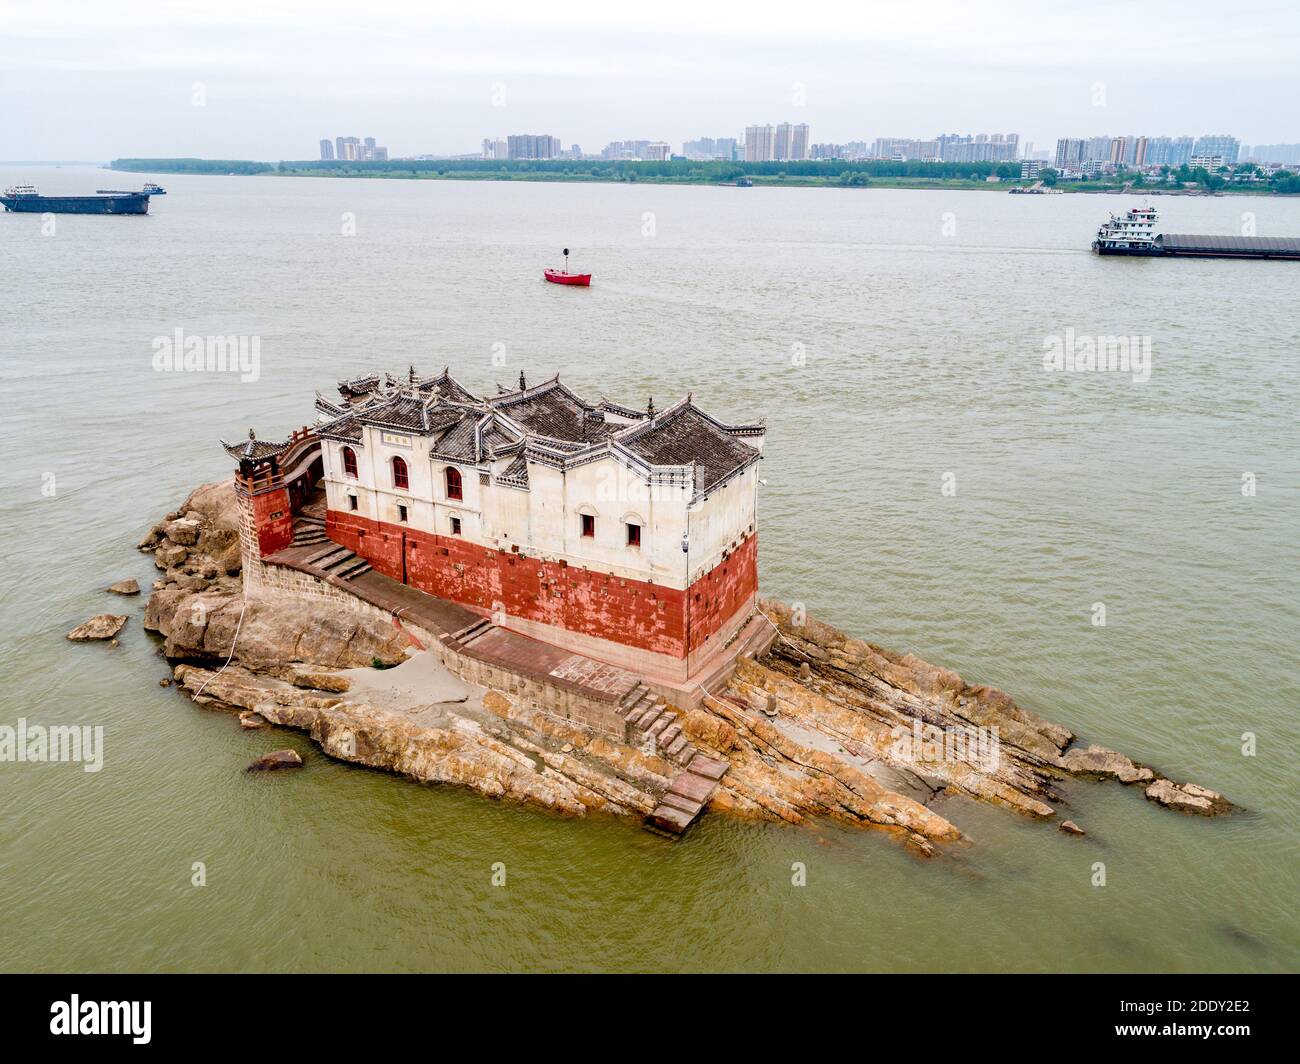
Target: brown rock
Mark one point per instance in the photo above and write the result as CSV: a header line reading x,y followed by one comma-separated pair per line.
x,y
166,681
1188,798
125,587
496,702
169,555
249,719
319,681
275,760
1098,761
184,531
709,730
920,845
1070,828
101,626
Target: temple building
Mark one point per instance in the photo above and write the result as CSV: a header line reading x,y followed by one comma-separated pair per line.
x,y
627,535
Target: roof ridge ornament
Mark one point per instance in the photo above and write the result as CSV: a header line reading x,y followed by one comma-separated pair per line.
x,y
523,384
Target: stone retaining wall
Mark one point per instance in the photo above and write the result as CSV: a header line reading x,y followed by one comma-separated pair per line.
x,y
274,581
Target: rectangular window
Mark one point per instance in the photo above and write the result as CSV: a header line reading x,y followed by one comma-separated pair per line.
x,y
455,526
401,513
352,502
484,480
589,526
634,535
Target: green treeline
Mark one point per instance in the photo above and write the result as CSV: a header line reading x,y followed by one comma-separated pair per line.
x,y
685,171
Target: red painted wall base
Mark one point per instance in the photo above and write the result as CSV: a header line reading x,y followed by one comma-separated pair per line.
x,y
273,520
634,613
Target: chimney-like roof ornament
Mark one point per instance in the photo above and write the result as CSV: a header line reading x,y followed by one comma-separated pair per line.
x,y
252,435
523,384
650,408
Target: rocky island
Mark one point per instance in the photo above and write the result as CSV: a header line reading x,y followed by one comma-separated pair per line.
x,y
815,724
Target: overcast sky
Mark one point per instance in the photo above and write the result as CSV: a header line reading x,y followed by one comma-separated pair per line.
x,y
98,80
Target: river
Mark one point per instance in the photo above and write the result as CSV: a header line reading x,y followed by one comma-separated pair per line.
x,y
894,342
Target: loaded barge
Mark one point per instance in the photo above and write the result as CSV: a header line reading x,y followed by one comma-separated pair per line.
x,y
1133,233
24,199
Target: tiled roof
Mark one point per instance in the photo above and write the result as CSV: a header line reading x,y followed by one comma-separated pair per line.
x,y
445,385
345,427
456,439
407,411
326,407
685,436
552,410
516,473
253,448
548,423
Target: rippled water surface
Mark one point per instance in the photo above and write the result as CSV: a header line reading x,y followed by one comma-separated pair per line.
x,y
889,338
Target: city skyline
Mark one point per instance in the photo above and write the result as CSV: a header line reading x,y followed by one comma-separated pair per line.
x,y
237,82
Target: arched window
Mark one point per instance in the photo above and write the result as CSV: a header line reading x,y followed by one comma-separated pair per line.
x,y
349,462
400,477
453,484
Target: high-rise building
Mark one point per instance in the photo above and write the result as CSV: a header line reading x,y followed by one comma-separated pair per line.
x,y
1071,153
326,150
1218,144
902,149
799,141
760,144
1286,154
351,148
707,148
532,146
789,142
1098,150
978,148
658,151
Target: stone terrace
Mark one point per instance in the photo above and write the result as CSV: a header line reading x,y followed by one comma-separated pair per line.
x,y
603,696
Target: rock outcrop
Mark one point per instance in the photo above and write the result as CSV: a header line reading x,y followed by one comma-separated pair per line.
x,y
129,586
200,602
101,626
897,713
821,726
276,759
1188,798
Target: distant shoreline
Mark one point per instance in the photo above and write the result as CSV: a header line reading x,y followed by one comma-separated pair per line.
x,y
808,174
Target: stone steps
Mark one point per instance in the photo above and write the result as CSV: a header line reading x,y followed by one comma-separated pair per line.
x,y
334,560
467,635
687,795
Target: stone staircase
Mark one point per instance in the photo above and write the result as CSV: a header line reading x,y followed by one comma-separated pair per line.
x,y
650,726
337,561
467,635
308,530
645,717
687,795
649,721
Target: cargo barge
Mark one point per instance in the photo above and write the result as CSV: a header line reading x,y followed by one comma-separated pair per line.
x,y
25,199
1133,233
